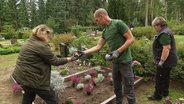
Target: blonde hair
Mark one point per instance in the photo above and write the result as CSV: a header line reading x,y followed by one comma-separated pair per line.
x,y
159,21
41,31
100,11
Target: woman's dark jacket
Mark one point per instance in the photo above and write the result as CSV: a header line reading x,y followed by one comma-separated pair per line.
x,y
33,67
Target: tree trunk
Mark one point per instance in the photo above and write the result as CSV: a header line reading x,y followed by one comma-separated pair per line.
x,y
0,25
152,8
146,16
166,9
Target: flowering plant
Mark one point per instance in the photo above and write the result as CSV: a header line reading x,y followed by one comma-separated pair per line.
x,y
75,80
109,77
168,100
80,86
17,88
87,77
93,73
88,88
92,81
72,100
137,68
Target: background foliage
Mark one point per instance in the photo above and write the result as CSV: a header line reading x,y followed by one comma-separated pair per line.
x,y
61,15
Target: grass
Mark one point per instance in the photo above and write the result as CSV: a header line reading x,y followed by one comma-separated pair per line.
x,y
7,61
176,91
179,37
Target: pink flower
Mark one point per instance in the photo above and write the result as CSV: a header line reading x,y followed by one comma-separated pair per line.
x,y
91,80
168,100
16,87
75,79
135,62
93,73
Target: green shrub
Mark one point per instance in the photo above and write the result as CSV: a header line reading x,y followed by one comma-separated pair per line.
x,y
142,52
88,42
23,34
84,40
66,38
178,29
8,32
9,50
76,30
147,32
178,72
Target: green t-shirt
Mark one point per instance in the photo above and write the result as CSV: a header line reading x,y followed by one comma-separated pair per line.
x,y
113,34
164,39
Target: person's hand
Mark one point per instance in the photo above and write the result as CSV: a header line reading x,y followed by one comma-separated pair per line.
x,y
59,56
74,58
160,64
77,55
112,55
115,54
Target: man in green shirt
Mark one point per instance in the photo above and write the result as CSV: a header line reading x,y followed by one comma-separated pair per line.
x,y
119,38
165,57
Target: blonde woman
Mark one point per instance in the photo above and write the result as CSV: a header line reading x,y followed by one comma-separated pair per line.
x,y
33,66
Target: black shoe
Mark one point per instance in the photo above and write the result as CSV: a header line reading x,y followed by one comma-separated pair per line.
x,y
154,98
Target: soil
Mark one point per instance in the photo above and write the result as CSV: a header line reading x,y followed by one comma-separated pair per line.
x,y
8,97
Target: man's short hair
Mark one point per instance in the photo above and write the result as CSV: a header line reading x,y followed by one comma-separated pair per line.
x,y
159,21
100,11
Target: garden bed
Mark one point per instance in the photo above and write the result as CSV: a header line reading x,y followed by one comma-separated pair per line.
x,y
102,93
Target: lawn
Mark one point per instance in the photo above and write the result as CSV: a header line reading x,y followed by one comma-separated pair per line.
x,y
176,91
7,61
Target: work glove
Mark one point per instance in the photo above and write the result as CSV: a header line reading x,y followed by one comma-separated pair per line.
x,y
59,56
76,55
160,64
112,55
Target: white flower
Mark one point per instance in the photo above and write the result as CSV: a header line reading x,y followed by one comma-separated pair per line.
x,y
57,82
